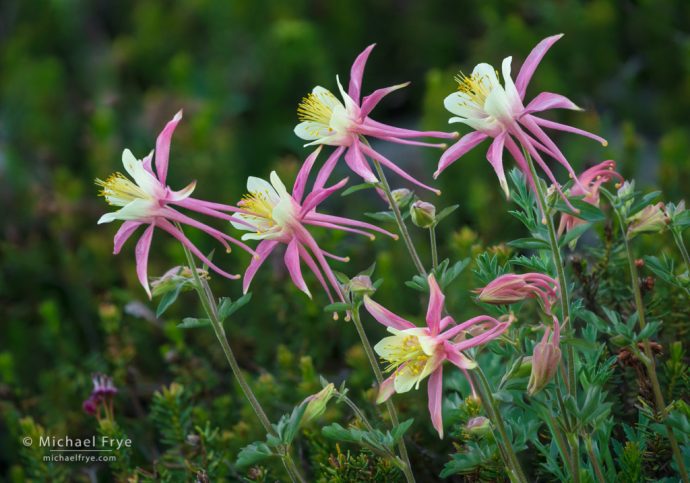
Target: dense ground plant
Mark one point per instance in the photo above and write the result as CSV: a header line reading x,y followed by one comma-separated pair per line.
x,y
521,392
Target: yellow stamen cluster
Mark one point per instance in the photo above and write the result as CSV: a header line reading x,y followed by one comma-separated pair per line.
x,y
409,352
314,109
474,87
260,208
119,190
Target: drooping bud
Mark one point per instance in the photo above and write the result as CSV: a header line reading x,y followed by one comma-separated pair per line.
x,y
175,277
545,360
478,426
361,285
317,403
423,214
512,288
652,219
401,195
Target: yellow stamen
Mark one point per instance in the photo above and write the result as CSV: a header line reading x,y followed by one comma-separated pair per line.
x,y
314,109
119,190
409,352
474,87
258,204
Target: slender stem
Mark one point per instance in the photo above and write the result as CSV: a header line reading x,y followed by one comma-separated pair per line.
x,y
209,304
649,363
571,382
434,247
678,237
392,412
563,447
494,413
399,219
595,462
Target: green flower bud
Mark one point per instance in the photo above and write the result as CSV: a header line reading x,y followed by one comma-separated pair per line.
x,y
317,403
423,214
652,219
479,426
401,196
361,285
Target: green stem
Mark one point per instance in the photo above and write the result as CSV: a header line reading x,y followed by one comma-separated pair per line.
x,y
209,304
392,412
563,447
485,393
399,219
434,247
649,363
678,237
593,456
571,382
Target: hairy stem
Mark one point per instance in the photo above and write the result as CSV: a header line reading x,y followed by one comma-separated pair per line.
x,y
649,362
485,393
399,219
208,303
678,238
392,412
434,247
595,462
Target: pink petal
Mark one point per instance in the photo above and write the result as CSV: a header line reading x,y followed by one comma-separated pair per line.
x,y
457,358
385,316
357,163
548,100
411,142
445,322
305,238
141,253
303,175
395,168
163,147
435,389
327,168
370,101
531,63
357,72
123,234
316,197
495,157
386,390
564,127
349,222
435,309
292,263
528,121
379,129
453,153
263,250
309,261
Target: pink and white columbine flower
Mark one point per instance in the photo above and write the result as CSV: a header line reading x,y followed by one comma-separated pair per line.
x,y
414,353
589,183
327,120
271,214
512,288
497,111
148,200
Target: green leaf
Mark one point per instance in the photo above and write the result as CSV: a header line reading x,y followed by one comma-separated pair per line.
x,y
400,430
168,299
293,423
574,234
337,307
587,212
381,216
193,323
445,212
358,187
530,244
253,454
227,307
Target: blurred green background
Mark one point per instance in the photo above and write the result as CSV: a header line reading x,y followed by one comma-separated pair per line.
x,y
81,80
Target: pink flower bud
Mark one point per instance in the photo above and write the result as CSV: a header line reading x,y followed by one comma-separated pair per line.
x,y
423,214
545,359
652,219
511,288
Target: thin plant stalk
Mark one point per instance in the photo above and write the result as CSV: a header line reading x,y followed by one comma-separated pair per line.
x,y
595,463
404,233
678,238
392,412
434,247
209,305
649,362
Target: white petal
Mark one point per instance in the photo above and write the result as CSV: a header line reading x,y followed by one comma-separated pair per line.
x,y
326,97
145,180
511,91
279,186
487,75
312,131
258,185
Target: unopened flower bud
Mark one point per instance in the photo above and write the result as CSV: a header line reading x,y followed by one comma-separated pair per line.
x,y
545,359
478,426
652,219
317,403
361,285
400,195
423,214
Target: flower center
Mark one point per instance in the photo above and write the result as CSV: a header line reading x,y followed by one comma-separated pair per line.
x,y
118,190
260,208
476,87
314,109
405,350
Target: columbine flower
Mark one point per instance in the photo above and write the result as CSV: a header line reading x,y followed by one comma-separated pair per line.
x,y
414,353
496,111
589,183
512,288
545,359
327,120
101,396
423,214
147,200
270,214
652,219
